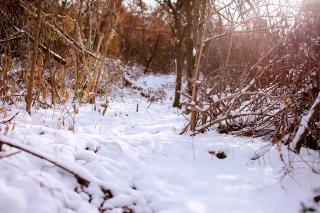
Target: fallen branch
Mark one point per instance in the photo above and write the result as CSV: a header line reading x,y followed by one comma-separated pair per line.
x,y
83,179
29,150
9,119
302,131
9,155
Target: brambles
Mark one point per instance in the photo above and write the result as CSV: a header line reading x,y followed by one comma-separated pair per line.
x,y
276,97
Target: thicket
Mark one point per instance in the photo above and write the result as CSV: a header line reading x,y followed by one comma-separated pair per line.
x,y
251,66
260,76
55,51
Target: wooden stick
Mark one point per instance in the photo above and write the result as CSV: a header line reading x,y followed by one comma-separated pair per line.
x,y
297,141
82,179
10,119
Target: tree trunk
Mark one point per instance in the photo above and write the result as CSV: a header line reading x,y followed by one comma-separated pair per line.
x,y
54,94
4,86
189,44
153,51
179,62
28,97
201,29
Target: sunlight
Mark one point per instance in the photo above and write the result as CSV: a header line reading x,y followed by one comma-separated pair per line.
x,y
159,106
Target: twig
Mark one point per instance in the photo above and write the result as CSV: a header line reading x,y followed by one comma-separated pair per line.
x,y
10,39
54,55
10,119
10,154
83,179
61,34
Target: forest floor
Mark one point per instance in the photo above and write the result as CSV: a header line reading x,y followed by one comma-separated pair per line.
x,y
145,162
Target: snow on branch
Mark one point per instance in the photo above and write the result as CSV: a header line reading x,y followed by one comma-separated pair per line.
x,y
60,33
83,177
297,141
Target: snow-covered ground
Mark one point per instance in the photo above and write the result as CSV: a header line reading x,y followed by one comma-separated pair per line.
x,y
144,161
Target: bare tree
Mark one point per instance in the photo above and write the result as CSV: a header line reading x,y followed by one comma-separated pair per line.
x,y
37,27
181,13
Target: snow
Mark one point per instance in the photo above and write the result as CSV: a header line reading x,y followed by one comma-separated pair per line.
x,y
304,123
142,158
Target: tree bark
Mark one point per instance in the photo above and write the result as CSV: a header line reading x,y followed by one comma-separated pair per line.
x,y
179,62
178,30
201,28
29,95
189,44
153,51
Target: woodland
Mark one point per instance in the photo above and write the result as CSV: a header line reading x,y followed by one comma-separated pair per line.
x,y
89,89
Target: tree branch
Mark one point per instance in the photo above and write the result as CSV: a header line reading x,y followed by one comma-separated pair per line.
x,y
297,141
83,179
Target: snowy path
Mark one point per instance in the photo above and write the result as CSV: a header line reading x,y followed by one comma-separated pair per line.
x,y
171,179
148,166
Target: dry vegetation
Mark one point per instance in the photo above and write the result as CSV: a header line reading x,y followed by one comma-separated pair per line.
x,y
252,67
261,76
